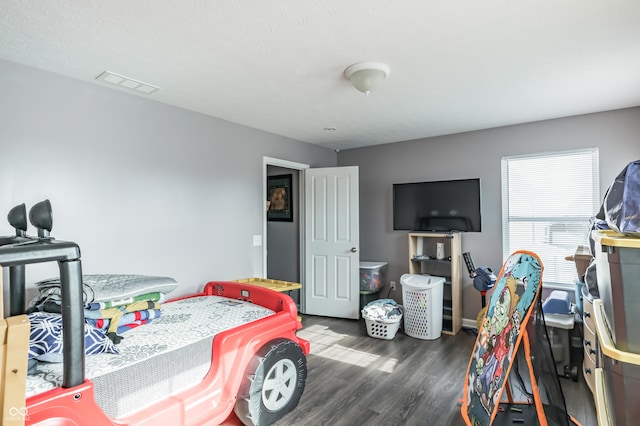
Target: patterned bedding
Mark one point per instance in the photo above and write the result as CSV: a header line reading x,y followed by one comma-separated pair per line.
x,y
194,321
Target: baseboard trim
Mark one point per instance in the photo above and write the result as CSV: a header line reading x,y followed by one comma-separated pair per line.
x,y
469,323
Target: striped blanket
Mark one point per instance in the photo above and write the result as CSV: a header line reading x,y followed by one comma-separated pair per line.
x,y
119,319
152,297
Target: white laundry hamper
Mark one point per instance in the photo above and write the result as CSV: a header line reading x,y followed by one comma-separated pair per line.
x,y
422,301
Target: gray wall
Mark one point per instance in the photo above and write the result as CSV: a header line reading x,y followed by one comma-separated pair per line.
x,y
470,155
142,187
152,189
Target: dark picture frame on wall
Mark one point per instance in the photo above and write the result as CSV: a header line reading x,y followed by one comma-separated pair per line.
x,y
279,198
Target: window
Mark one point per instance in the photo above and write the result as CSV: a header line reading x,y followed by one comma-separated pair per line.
x,y
548,201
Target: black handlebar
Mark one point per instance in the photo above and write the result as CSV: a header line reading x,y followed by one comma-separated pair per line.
x,y
67,254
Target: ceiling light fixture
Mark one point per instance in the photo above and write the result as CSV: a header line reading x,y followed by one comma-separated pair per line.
x,y
367,76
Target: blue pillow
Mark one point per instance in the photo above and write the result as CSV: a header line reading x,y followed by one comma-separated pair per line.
x,y
45,338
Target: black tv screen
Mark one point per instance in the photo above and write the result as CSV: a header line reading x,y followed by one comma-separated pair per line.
x,y
445,206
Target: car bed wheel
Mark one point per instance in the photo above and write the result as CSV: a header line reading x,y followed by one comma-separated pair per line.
x,y
273,384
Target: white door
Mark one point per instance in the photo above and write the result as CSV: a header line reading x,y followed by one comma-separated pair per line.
x,y
331,237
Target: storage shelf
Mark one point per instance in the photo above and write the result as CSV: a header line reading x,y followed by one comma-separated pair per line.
x,y
429,260
447,326
422,249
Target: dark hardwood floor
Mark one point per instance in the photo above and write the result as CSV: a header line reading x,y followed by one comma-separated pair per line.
x,y
354,379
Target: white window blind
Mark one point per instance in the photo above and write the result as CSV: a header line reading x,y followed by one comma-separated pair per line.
x,y
547,204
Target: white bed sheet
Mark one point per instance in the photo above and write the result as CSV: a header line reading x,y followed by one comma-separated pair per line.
x,y
181,323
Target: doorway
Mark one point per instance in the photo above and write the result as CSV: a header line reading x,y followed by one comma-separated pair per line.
x,y
283,235
319,249
282,250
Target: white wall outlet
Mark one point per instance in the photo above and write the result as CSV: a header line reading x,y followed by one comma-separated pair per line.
x,y
392,285
257,240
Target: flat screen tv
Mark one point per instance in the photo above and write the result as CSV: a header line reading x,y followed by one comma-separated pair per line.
x,y
443,206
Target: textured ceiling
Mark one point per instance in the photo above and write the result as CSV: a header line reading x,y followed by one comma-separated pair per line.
x,y
277,65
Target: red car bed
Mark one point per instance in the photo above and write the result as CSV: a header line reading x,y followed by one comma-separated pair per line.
x,y
232,347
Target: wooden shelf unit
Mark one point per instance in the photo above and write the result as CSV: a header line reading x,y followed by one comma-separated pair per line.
x,y
422,252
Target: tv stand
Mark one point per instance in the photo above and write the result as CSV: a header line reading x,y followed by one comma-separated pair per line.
x,y
422,260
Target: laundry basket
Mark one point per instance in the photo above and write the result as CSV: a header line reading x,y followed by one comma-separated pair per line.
x,y
382,329
422,300
382,318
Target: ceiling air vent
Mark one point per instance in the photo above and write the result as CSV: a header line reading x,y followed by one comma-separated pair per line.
x,y
127,83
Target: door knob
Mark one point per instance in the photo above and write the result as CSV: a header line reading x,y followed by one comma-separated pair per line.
x,y
354,250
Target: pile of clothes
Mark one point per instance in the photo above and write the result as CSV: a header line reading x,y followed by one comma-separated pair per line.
x,y
117,316
382,310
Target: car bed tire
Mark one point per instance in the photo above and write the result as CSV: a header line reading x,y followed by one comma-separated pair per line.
x,y
283,367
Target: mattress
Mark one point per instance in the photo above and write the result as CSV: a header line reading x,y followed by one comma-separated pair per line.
x,y
151,358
